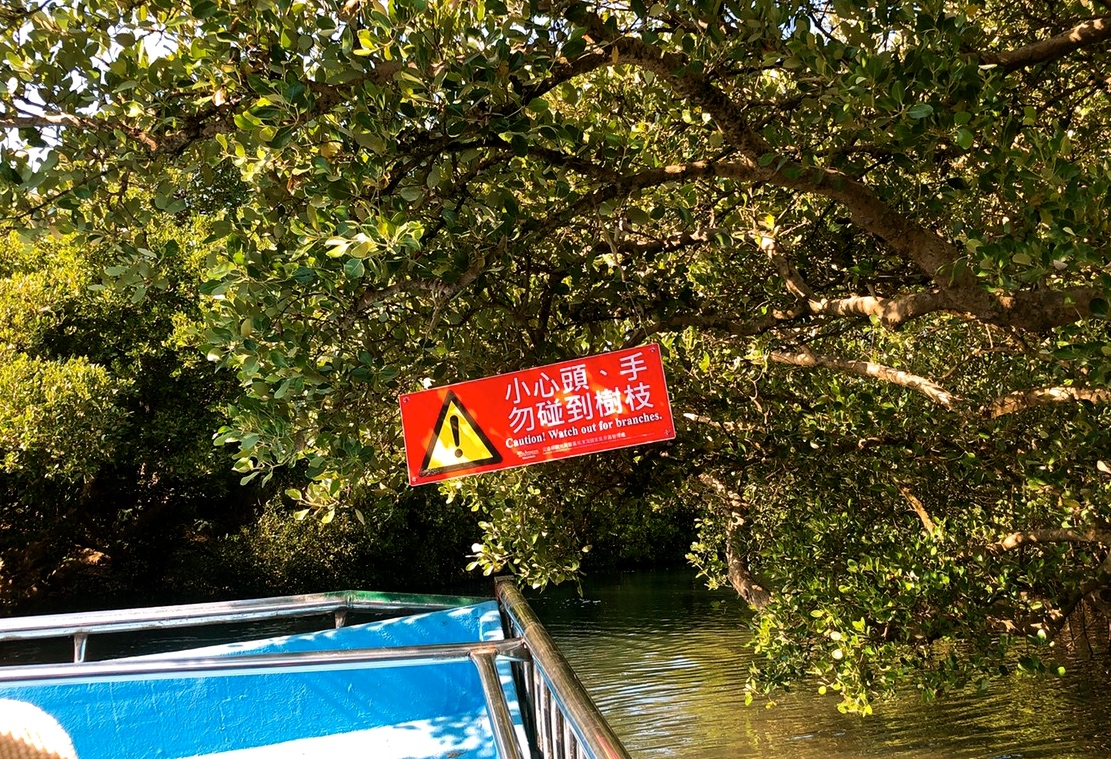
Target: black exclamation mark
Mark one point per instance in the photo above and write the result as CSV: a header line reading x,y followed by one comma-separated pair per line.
x,y
455,436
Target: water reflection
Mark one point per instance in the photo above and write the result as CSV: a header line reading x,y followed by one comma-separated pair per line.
x,y
665,660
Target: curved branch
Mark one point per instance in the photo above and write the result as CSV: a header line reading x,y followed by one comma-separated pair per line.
x,y
936,256
740,576
892,312
1082,35
1023,400
566,71
924,516
925,386
791,277
1027,537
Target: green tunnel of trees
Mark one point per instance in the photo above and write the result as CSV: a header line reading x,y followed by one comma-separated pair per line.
x,y
871,240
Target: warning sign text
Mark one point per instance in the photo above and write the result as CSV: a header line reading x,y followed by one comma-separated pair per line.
x,y
572,408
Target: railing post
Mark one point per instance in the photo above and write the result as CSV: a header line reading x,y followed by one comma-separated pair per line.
x,y
80,642
505,736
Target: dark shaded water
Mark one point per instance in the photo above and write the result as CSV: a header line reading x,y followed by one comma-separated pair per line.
x,y
665,659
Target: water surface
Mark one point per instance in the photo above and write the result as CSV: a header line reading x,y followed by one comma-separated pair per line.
x,y
665,659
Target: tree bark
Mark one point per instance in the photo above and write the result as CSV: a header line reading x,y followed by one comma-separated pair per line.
x,y
1082,35
923,385
754,594
740,577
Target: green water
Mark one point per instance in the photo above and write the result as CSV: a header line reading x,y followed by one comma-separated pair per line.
x,y
665,660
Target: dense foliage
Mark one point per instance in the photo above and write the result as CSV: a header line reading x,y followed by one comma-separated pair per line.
x,y
106,413
110,487
871,238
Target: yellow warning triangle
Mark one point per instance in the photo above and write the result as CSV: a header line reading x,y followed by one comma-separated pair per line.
x,y
457,441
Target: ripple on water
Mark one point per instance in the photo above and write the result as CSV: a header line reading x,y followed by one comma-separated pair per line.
x,y
666,661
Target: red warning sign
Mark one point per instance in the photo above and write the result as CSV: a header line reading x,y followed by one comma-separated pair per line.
x,y
587,405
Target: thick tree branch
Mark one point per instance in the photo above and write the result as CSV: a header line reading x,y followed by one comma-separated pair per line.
x,y
740,577
49,120
925,386
1023,400
791,277
715,323
959,292
670,244
1028,537
1082,35
958,289
892,312
934,255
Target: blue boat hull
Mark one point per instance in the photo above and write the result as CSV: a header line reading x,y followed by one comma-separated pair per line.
x,y
431,710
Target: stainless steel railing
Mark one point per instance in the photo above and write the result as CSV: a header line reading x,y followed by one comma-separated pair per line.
x,y
561,721
566,724
81,625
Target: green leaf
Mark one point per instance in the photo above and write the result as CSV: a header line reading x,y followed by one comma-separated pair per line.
x,y
354,268
203,9
10,175
920,110
282,137
574,47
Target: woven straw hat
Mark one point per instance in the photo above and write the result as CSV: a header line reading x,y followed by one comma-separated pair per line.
x,y
27,732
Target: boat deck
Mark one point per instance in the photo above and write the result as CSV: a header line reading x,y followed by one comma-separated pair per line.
x,y
472,681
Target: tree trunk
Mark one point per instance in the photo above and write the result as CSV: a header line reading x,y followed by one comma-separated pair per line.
x,y
754,594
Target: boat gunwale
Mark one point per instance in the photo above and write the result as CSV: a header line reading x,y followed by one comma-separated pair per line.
x,y
220,612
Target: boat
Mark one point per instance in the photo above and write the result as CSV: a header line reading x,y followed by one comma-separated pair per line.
x,y
429,676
